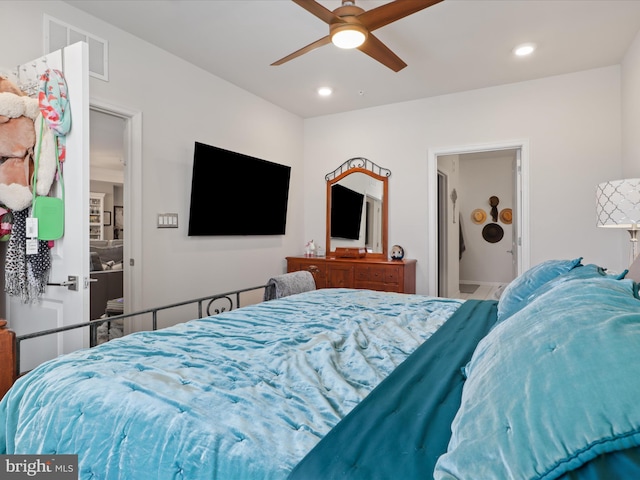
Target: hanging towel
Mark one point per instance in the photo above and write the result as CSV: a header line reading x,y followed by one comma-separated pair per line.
x,y
462,246
289,284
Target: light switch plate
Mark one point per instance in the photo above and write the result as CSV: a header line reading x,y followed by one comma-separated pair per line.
x,y
167,220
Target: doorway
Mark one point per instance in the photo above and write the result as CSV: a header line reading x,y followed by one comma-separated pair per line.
x,y
116,136
449,215
106,231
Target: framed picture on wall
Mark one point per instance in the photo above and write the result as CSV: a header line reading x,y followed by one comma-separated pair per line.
x,y
106,218
118,222
119,214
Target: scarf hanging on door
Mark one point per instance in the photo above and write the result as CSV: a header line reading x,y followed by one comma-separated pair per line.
x,y
26,276
54,105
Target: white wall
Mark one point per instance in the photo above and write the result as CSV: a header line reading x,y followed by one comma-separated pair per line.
x,y
631,111
572,122
481,178
180,104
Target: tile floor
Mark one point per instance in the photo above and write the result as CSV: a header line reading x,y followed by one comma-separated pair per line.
x,y
484,292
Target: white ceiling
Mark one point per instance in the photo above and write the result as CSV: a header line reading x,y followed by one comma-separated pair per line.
x,y
453,46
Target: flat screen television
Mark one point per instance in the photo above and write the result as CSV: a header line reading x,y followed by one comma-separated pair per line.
x,y
346,212
235,194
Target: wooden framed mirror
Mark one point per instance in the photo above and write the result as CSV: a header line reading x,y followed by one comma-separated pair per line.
x,y
357,207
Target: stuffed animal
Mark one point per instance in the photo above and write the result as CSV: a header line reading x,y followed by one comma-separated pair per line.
x,y
7,85
310,249
397,252
17,136
20,123
16,170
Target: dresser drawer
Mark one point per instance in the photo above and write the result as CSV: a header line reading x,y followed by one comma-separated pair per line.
x,y
362,273
378,277
379,274
391,274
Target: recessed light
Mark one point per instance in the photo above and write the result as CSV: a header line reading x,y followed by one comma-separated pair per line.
x,y
325,91
524,49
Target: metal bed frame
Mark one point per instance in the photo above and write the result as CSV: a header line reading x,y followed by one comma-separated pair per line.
x,y
215,304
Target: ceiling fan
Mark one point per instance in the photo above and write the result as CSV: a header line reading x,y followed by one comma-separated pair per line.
x,y
351,26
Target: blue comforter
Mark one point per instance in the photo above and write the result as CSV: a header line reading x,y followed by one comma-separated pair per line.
x,y
553,387
245,394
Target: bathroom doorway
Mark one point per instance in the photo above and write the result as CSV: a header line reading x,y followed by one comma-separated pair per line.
x,y
485,253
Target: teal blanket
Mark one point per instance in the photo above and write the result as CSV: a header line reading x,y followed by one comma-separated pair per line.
x,y
404,425
242,395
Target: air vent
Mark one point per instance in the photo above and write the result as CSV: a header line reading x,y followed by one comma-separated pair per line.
x,y
58,35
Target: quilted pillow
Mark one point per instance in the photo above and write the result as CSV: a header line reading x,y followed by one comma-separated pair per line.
x,y
551,390
576,273
579,272
634,270
515,294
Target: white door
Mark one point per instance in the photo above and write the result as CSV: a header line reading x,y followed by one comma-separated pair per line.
x,y
515,236
60,305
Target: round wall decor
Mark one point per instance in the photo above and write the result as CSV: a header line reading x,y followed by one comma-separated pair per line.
x,y
492,233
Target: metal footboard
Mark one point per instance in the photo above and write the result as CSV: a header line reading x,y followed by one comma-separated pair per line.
x,y
209,305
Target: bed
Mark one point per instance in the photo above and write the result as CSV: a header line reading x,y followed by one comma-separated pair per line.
x,y
342,383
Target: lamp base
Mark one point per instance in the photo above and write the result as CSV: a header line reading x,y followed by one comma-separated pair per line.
x,y
634,245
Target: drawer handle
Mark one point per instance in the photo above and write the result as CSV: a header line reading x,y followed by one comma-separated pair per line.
x,y
313,269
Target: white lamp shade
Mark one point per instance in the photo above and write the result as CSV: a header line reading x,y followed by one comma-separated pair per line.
x,y
618,204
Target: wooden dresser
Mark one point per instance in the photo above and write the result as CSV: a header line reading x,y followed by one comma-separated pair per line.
x,y
373,274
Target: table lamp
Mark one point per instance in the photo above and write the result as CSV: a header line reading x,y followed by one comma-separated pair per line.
x,y
618,206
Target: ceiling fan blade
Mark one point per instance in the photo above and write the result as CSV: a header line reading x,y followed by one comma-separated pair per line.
x,y
390,12
319,11
380,52
312,46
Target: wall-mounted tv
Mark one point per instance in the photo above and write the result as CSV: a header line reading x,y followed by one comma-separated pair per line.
x,y
235,194
346,212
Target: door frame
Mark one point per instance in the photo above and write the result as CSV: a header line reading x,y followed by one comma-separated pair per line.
x,y
521,204
132,259
443,237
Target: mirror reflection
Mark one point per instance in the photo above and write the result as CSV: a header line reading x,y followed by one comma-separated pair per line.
x,y
356,213
356,207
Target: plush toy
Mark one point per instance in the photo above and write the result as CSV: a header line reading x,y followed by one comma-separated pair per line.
x,y
20,123
17,136
16,170
397,252
7,86
310,249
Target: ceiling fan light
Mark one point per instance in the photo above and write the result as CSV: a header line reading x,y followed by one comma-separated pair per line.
x,y
348,36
